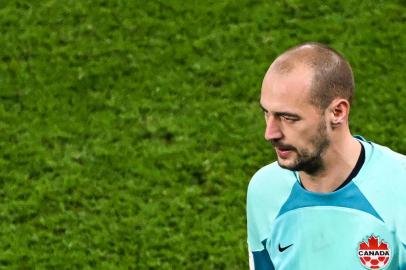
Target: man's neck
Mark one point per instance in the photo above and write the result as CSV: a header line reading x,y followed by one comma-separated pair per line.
x,y
338,160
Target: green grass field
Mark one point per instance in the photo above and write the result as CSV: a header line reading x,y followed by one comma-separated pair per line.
x,y
129,130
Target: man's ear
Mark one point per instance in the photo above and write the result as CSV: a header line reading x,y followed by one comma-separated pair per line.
x,y
339,111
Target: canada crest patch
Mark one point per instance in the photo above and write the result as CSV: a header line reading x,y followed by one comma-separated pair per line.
x,y
374,253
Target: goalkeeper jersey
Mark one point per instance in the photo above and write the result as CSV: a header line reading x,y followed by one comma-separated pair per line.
x,y
360,226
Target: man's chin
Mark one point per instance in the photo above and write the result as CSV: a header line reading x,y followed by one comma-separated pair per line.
x,y
286,164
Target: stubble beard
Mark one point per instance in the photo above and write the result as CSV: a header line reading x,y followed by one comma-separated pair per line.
x,y
311,162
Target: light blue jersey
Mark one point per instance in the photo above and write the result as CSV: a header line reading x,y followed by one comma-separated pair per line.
x,y
360,226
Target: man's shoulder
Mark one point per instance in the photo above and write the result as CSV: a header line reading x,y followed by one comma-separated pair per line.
x,y
271,178
387,159
268,190
383,178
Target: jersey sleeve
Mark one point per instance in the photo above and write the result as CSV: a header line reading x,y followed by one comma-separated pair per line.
x,y
260,260
258,254
268,190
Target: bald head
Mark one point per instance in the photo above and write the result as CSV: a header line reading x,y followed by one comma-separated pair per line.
x,y
332,75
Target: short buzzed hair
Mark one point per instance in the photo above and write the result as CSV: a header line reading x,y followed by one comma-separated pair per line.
x,y
332,77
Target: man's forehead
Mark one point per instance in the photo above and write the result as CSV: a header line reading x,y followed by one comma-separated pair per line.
x,y
299,80
287,89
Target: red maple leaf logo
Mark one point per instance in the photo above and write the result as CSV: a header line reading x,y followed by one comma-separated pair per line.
x,y
374,254
373,244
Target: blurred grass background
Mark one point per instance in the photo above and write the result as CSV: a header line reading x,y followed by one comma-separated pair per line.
x,y
129,129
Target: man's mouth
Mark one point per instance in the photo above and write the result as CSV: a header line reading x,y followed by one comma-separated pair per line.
x,y
283,151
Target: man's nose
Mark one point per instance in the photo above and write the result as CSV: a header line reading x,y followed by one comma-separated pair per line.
x,y
272,130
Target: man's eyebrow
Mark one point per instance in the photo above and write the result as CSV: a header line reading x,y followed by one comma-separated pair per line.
x,y
287,114
280,113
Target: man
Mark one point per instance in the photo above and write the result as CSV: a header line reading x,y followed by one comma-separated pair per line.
x,y
331,201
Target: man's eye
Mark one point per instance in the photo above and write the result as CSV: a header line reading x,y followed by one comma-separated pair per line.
x,y
289,118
